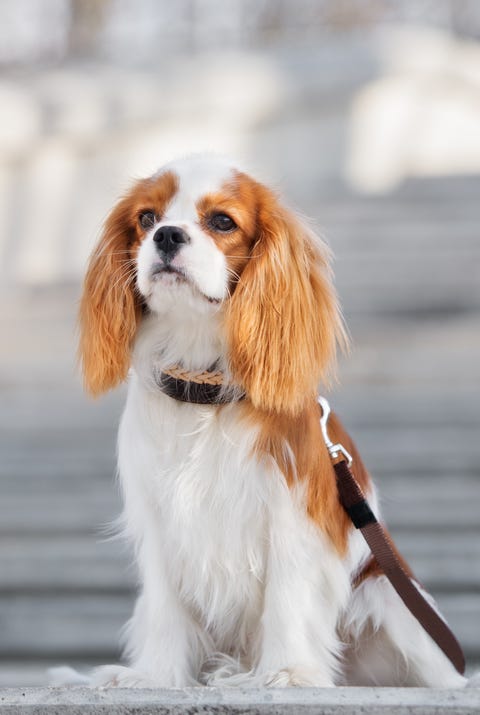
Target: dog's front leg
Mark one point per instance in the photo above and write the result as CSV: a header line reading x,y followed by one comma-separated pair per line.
x,y
164,647
163,642
306,587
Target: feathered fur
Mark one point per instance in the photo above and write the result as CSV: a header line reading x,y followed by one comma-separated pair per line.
x,y
249,570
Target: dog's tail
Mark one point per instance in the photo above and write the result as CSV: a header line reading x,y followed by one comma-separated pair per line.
x,y
474,681
64,675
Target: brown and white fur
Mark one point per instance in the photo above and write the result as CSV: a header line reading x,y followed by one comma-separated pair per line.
x,y
250,572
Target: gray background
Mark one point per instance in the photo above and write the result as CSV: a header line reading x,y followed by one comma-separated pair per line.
x,y
366,116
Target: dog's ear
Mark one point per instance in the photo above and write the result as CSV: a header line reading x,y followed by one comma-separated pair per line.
x,y
283,320
109,308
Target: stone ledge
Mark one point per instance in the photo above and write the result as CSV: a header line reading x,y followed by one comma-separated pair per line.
x,y
307,701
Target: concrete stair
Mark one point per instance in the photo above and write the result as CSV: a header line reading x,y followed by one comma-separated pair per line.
x,y
238,701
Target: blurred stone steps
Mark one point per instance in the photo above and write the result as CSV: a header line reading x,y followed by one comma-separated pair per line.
x,y
443,559
440,450
62,625
360,399
87,625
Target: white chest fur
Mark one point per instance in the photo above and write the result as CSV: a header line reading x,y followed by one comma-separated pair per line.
x,y
224,546
189,476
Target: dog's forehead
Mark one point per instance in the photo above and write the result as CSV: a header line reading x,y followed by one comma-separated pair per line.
x,y
197,177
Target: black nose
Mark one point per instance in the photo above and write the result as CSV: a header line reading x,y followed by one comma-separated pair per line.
x,y
168,240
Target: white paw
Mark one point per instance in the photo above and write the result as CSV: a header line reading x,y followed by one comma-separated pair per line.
x,y
119,676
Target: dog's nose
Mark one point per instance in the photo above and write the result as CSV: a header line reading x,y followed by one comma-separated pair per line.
x,y
168,240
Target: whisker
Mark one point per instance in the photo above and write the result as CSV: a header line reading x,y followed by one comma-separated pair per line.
x,y
127,276
106,242
120,253
233,274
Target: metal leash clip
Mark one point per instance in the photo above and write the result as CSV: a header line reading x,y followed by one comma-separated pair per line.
x,y
335,450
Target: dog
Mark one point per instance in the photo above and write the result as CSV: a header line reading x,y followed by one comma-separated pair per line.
x,y
250,570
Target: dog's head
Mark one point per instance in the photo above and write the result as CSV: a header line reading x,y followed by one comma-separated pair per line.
x,y
201,237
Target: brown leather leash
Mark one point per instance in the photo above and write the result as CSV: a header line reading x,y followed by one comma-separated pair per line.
x,y
358,509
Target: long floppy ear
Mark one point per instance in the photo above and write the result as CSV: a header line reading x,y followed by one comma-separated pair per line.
x,y
109,308
283,321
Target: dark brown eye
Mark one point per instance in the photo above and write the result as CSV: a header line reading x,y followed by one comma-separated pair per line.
x,y
147,219
222,222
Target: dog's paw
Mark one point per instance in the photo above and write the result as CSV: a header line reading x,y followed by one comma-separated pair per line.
x,y
119,676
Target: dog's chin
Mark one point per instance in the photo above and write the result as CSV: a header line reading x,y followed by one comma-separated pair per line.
x,y
169,276
172,290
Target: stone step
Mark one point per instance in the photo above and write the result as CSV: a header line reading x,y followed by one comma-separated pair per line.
x,y
392,213
443,451
410,497
387,241
240,701
86,625
402,403
444,560
365,403
64,563
447,194
56,625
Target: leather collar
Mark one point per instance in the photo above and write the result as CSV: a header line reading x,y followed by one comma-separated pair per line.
x,y
205,388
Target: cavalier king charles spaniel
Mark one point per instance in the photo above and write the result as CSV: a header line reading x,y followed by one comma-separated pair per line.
x,y
250,570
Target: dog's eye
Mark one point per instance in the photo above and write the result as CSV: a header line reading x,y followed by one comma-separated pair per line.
x,y
147,219
222,222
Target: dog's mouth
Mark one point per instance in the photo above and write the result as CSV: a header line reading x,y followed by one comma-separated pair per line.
x,y
175,275
166,269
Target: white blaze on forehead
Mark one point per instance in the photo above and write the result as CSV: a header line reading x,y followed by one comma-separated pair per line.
x,y
197,176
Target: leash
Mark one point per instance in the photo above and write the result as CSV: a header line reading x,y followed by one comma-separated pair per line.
x,y
206,387
358,509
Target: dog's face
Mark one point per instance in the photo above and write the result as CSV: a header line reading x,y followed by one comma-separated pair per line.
x,y
195,227
202,237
